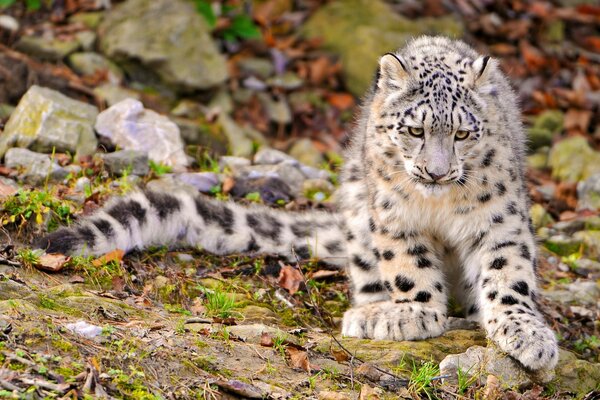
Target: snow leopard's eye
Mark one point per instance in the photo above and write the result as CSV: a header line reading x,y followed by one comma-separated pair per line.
x,y
416,132
461,135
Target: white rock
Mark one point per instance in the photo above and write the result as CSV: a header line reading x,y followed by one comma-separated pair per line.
x,y
84,329
130,126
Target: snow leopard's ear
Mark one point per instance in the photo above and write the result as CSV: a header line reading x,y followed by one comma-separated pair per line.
x,y
482,68
392,72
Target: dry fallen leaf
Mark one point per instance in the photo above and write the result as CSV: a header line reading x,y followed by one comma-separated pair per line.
x,y
52,262
290,279
298,359
115,255
266,340
369,393
339,355
322,274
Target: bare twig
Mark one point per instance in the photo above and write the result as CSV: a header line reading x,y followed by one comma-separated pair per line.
x,y
399,380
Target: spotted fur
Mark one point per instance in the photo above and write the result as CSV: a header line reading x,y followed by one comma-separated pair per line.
x,y
432,204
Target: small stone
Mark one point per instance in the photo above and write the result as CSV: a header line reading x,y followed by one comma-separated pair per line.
x,y
269,156
587,267
591,239
36,167
254,84
46,120
232,162
9,23
84,329
259,67
188,109
89,19
252,333
82,184
314,173
87,40
258,314
239,144
113,94
331,395
272,190
126,161
278,109
588,193
284,171
305,151
288,80
569,227
222,102
317,189
586,292
88,63
130,126
203,181
46,49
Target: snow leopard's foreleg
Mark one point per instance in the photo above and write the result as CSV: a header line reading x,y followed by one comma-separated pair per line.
x,y
146,218
502,262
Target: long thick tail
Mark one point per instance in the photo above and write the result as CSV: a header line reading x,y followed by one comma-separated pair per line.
x,y
146,218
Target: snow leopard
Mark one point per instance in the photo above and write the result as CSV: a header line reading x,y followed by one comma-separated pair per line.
x,y
432,205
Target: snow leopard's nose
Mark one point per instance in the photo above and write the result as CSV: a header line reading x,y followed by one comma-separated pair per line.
x,y
436,175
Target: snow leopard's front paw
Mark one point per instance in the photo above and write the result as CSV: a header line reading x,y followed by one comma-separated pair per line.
x,y
388,320
529,340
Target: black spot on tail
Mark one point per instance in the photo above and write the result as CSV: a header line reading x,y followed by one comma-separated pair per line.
x,y
265,225
125,210
215,214
62,241
104,227
164,203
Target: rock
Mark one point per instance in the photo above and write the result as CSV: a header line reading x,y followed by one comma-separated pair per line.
x,y
361,31
178,49
188,109
569,227
9,23
88,63
271,189
222,102
587,267
332,395
200,134
317,189
278,109
455,323
254,84
580,291
131,127
538,160
573,160
562,245
82,184
550,120
10,290
576,376
269,156
233,162
259,67
89,19
5,111
46,49
8,187
46,119
481,361
113,94
305,151
288,81
588,193
86,39
314,173
132,162
84,329
36,167
239,144
591,239
539,216
284,171
592,223
258,314
202,181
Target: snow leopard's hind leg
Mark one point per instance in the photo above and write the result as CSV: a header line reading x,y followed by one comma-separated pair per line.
x,y
146,218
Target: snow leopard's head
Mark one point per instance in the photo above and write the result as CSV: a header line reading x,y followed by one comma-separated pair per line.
x,y
429,111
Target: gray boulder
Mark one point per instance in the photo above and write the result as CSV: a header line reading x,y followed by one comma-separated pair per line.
x,y
46,119
89,63
130,126
167,39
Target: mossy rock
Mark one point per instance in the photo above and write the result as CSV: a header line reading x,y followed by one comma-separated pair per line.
x,y
573,160
361,31
576,376
563,246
